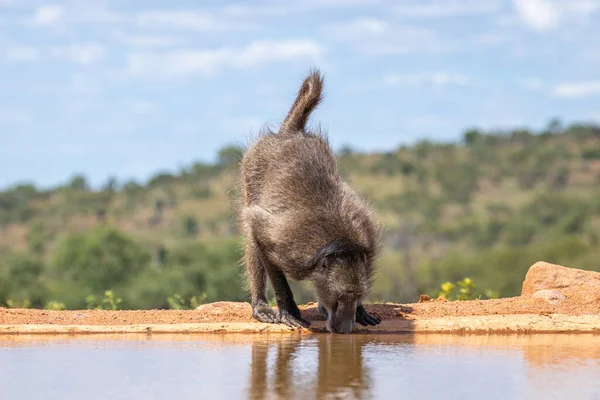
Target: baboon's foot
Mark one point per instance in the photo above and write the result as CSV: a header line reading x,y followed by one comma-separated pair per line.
x,y
293,318
364,318
263,313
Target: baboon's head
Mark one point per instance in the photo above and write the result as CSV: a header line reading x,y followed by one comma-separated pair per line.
x,y
341,282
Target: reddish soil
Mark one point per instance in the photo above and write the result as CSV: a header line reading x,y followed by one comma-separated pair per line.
x,y
548,290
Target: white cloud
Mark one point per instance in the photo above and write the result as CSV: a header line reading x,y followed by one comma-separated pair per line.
x,y
582,7
48,15
186,20
490,39
546,14
377,36
438,79
244,10
342,3
83,84
77,13
576,89
264,52
533,84
83,54
446,8
22,54
539,14
290,7
176,64
183,63
141,107
149,40
358,28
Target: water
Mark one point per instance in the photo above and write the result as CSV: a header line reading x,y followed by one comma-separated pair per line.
x,y
300,367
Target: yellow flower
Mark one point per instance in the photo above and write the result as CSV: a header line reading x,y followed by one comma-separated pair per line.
x,y
447,286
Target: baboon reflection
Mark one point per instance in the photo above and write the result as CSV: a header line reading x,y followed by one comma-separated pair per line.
x,y
291,374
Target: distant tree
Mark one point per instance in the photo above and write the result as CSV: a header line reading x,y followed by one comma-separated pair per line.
x,y
160,255
592,153
159,206
521,136
190,226
161,178
132,187
471,136
79,182
23,191
111,185
101,215
346,150
37,237
203,171
554,127
99,259
20,280
458,181
560,179
520,230
403,239
156,218
423,148
230,155
201,192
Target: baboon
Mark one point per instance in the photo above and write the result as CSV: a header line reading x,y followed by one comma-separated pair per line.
x,y
301,221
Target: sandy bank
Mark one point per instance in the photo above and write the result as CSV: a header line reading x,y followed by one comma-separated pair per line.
x,y
554,299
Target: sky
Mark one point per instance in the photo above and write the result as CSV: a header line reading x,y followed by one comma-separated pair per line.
x,y
130,88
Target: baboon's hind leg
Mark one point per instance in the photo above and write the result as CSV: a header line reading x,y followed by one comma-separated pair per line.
x,y
258,284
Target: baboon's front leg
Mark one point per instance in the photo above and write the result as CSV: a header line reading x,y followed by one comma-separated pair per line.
x,y
364,318
258,285
257,222
289,313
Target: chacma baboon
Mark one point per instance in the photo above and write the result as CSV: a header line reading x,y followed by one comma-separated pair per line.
x,y
302,221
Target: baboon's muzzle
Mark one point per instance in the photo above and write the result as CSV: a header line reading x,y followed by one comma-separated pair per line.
x,y
342,317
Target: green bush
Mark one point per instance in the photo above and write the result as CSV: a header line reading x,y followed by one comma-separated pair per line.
x,y
95,261
21,280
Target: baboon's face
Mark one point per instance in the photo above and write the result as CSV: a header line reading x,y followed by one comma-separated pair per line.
x,y
340,284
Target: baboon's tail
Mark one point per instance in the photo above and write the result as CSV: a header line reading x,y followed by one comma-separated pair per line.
x,y
309,97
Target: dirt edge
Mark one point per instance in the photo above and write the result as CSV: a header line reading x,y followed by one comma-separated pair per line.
x,y
555,299
525,323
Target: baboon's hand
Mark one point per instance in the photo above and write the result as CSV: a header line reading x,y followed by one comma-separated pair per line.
x,y
263,313
364,318
295,321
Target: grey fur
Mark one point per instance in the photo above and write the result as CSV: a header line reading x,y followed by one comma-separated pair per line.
x,y
301,221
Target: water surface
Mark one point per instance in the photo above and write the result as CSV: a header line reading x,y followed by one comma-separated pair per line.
x,y
300,367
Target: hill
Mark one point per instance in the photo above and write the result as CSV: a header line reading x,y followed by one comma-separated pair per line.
x,y
485,209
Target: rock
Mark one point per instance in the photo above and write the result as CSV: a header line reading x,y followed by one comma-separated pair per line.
x,y
546,276
553,297
423,298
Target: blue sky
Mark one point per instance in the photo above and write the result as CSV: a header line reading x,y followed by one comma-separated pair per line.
x,y
128,88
